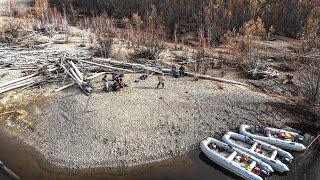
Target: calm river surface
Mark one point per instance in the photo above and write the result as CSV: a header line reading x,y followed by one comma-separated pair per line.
x,y
28,165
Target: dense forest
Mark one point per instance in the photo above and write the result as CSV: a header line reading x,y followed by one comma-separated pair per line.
x,y
291,18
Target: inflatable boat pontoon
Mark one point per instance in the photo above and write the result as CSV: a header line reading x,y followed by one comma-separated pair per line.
x,y
235,160
264,151
278,137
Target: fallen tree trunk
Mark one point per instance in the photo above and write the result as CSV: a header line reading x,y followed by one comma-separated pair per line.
x,y
215,79
17,80
72,84
105,66
207,77
159,70
133,65
9,172
6,89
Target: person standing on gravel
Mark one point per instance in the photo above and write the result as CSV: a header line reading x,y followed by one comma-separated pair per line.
x,y
161,80
105,84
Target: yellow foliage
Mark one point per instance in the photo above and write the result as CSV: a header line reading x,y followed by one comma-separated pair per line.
x,y
255,29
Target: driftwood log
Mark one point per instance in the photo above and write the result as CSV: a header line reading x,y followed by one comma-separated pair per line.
x,y
16,86
72,84
106,66
159,70
6,84
206,77
8,171
130,65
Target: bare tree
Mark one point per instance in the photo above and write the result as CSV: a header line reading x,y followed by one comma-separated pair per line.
x,y
311,86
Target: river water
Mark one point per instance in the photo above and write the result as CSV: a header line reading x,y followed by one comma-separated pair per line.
x,y
28,164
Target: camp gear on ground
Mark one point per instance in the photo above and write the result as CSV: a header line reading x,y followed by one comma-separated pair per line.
x,y
115,86
143,77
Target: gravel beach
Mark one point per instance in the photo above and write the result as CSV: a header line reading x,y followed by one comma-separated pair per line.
x,y
137,125
141,124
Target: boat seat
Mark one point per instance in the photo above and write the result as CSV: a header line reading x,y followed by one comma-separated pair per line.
x,y
254,146
274,154
251,166
232,156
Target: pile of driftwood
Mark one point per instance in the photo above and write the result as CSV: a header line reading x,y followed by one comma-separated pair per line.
x,y
42,67
261,72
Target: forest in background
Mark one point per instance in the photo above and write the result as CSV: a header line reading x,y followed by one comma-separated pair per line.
x,y
148,27
298,19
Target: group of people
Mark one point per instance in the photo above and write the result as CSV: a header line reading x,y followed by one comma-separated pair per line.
x,y
118,83
178,72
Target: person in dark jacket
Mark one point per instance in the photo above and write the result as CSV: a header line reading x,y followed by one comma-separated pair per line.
x,y
182,71
175,72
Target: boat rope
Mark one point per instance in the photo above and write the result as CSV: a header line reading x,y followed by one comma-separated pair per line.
x,y
314,140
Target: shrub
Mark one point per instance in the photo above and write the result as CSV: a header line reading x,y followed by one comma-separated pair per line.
x,y
311,85
103,29
254,28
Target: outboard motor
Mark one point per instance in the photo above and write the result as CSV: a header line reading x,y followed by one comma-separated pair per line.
x,y
287,160
265,173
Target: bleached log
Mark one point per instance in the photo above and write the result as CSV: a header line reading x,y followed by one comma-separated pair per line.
x,y
215,79
9,171
6,89
17,80
73,76
158,70
105,66
133,65
72,84
77,71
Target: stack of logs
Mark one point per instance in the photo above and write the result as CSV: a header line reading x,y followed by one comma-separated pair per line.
x,y
80,70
